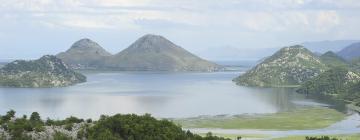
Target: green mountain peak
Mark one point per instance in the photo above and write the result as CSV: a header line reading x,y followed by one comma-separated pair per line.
x,y
289,66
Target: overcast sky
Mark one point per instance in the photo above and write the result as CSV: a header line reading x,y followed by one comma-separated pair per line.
x,y
31,28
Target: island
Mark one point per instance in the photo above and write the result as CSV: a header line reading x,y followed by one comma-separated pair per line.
x,y
148,53
48,71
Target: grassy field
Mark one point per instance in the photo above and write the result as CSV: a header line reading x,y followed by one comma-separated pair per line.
x,y
244,136
342,137
298,119
259,136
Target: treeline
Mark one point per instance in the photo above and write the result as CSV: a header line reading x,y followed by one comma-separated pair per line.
x,y
117,127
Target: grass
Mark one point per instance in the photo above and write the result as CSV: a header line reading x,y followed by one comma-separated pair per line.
x,y
262,136
298,119
342,137
234,136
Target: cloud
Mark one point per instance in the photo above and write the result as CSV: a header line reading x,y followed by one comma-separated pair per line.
x,y
327,20
313,16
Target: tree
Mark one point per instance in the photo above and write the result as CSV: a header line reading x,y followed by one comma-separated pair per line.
x,y
35,117
10,114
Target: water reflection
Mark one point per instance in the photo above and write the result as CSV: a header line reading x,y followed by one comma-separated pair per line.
x,y
161,94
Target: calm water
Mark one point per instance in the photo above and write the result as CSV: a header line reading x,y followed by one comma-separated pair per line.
x,y
159,93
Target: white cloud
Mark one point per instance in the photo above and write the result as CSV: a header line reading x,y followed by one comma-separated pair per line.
x,y
326,20
251,15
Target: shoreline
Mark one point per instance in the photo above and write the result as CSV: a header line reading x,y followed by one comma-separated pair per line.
x,y
353,107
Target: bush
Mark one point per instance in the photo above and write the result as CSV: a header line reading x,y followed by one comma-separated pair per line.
x,y
61,136
10,114
134,127
69,120
69,126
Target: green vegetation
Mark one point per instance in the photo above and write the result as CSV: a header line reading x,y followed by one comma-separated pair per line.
x,y
117,127
340,83
133,127
68,121
61,136
290,66
48,71
18,126
299,119
355,64
332,60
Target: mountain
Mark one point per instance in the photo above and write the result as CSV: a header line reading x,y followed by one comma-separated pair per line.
x,y
333,81
338,82
154,52
350,52
333,60
289,66
84,54
48,71
324,46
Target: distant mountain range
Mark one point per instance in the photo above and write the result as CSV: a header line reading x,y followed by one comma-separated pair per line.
x,y
350,52
325,46
230,53
148,53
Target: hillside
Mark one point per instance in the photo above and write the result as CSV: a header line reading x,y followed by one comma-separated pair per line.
x,y
48,71
339,82
350,52
84,54
333,81
156,53
289,66
355,64
333,60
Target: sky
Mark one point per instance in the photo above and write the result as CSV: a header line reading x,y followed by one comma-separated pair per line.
x,y
32,28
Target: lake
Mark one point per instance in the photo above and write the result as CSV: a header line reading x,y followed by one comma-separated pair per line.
x,y
162,94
